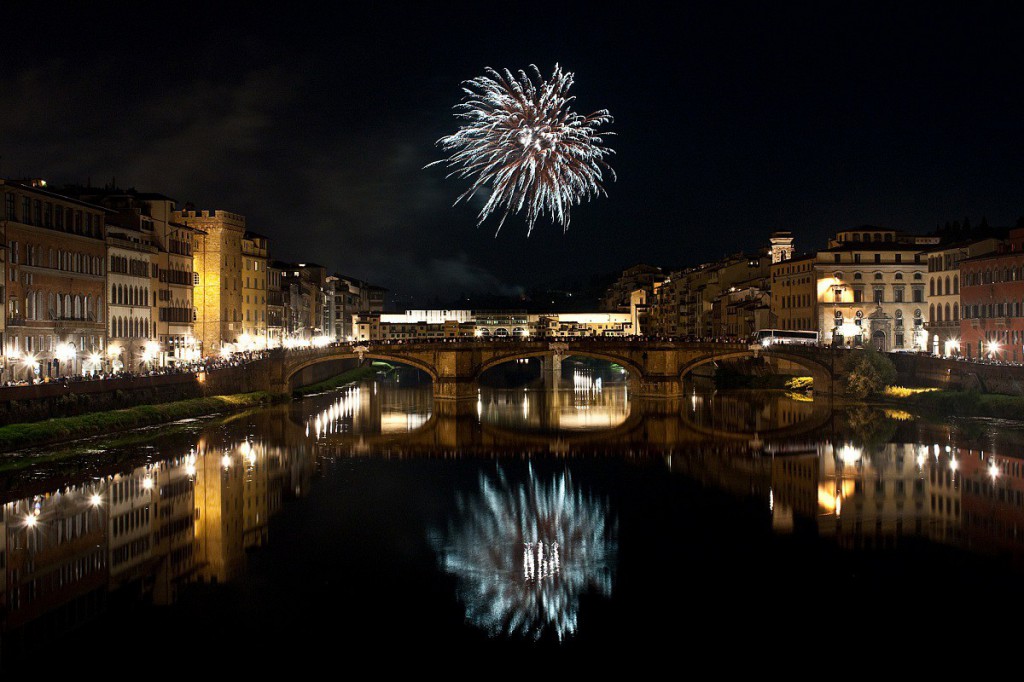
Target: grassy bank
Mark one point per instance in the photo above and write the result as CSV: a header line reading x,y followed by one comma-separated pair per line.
x,y
14,436
945,404
351,375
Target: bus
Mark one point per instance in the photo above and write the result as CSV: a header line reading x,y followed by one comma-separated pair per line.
x,y
768,337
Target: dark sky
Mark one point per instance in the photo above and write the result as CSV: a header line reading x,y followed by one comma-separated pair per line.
x,y
731,122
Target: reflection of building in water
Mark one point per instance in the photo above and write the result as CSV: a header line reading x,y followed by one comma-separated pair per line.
x,y
993,501
748,412
870,497
794,489
174,526
219,526
133,500
56,569
525,553
570,409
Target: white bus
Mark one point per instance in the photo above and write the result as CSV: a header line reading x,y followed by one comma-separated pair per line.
x,y
768,337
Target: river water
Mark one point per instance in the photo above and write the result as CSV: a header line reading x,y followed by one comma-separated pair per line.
x,y
565,523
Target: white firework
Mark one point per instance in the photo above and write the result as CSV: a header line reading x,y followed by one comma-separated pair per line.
x,y
524,554
523,143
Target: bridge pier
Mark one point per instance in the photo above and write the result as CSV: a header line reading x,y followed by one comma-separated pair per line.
x,y
656,387
551,370
457,389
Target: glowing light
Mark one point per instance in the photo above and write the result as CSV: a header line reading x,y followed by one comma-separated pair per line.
x,y
29,360
522,143
524,553
113,350
993,347
65,352
95,500
850,455
993,470
147,483
953,465
31,520
150,351
225,461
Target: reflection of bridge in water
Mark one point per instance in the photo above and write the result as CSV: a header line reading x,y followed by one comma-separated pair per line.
x,y
654,427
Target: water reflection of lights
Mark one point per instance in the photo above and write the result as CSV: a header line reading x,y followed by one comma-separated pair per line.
x,y
327,421
584,382
524,554
850,455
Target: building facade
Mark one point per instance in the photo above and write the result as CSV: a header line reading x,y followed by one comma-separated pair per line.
x,y
255,333
992,302
794,296
944,292
217,263
54,282
132,301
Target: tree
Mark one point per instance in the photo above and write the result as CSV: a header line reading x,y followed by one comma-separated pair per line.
x,y
868,372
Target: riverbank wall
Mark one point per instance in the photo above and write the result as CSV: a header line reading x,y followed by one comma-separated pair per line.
x,y
924,370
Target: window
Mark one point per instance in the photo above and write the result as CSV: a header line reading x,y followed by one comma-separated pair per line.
x,y
856,258
897,294
836,256
878,258
899,257
918,295
879,295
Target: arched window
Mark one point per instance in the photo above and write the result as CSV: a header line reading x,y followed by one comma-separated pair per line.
x,y
878,275
956,311
948,318
931,312
956,284
67,305
99,308
113,328
52,259
78,307
113,292
931,286
145,328
51,312
899,275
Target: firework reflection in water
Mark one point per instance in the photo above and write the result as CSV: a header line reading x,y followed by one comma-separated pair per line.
x,y
524,553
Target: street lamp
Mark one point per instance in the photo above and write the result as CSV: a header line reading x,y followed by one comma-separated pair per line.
x,y
993,349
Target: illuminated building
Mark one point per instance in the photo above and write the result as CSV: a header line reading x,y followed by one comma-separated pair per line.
x,y
992,302
131,299
54,279
794,298
275,306
870,286
255,334
143,222
218,292
944,292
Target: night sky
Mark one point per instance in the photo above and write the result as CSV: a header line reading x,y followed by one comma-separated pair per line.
x,y
731,122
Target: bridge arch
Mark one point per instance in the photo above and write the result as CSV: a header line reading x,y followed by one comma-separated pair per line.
x,y
292,369
821,373
635,371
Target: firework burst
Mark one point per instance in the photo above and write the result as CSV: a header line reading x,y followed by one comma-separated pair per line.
x,y
522,142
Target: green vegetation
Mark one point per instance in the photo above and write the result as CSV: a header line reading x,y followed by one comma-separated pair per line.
x,y
905,392
14,436
354,374
800,384
945,404
868,372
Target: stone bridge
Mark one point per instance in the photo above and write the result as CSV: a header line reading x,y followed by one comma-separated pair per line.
x,y
656,368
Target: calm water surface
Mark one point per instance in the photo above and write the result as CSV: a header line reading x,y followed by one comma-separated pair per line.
x,y
571,523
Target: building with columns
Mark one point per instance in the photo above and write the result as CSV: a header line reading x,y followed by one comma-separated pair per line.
x,y
54,282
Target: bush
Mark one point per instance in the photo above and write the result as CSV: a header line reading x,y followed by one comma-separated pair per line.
x,y
868,372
